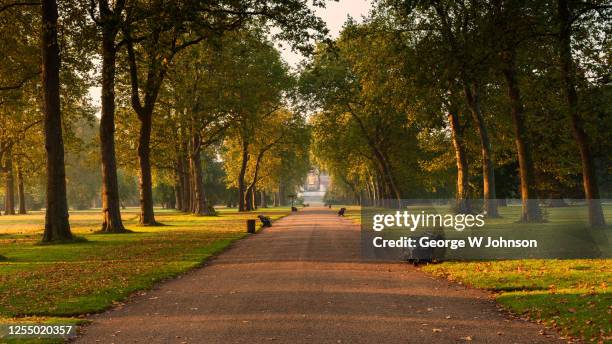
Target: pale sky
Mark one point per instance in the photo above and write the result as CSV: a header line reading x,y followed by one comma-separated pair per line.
x,y
334,14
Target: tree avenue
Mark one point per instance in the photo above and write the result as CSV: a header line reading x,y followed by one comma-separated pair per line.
x,y
461,100
507,98
137,43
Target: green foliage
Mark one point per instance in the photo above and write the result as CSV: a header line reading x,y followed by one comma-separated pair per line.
x,y
363,135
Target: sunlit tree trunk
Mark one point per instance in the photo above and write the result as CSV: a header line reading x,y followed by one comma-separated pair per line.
x,y
530,208
57,227
462,200
200,206
178,184
145,181
111,205
185,177
589,176
21,191
9,200
242,188
472,94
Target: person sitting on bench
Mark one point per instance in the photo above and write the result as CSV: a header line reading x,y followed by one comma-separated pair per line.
x,y
265,221
341,211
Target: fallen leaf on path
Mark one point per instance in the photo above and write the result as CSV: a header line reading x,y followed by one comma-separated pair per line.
x,y
467,338
436,330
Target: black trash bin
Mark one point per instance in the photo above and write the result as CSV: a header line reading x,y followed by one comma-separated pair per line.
x,y
250,226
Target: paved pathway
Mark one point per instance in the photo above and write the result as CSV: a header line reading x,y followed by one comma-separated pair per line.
x,y
302,281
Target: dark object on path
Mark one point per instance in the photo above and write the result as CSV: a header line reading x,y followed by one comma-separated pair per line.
x,y
293,209
329,206
421,255
251,226
341,211
265,221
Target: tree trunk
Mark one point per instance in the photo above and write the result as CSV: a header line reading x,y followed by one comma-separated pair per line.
x,y
589,176
192,187
57,227
282,194
21,191
530,208
249,199
111,205
472,95
9,202
389,179
462,200
178,185
263,202
185,181
200,206
242,192
145,181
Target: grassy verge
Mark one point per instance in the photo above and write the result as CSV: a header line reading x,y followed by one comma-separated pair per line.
x,y
69,280
572,296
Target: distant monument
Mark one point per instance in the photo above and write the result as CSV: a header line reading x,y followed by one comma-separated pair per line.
x,y
315,186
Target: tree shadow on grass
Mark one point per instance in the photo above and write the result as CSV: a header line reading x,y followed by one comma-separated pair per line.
x,y
75,240
124,231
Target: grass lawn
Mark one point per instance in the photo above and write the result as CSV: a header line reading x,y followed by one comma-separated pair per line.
x,y
573,296
42,283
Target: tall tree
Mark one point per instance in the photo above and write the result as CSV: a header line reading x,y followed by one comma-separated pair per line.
x,y
511,20
165,37
57,227
453,33
567,15
9,199
168,28
109,21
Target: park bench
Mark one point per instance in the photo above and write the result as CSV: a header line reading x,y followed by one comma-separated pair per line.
x,y
341,211
265,221
421,255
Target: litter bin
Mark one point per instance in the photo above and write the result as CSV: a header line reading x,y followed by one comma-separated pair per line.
x,y
250,226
